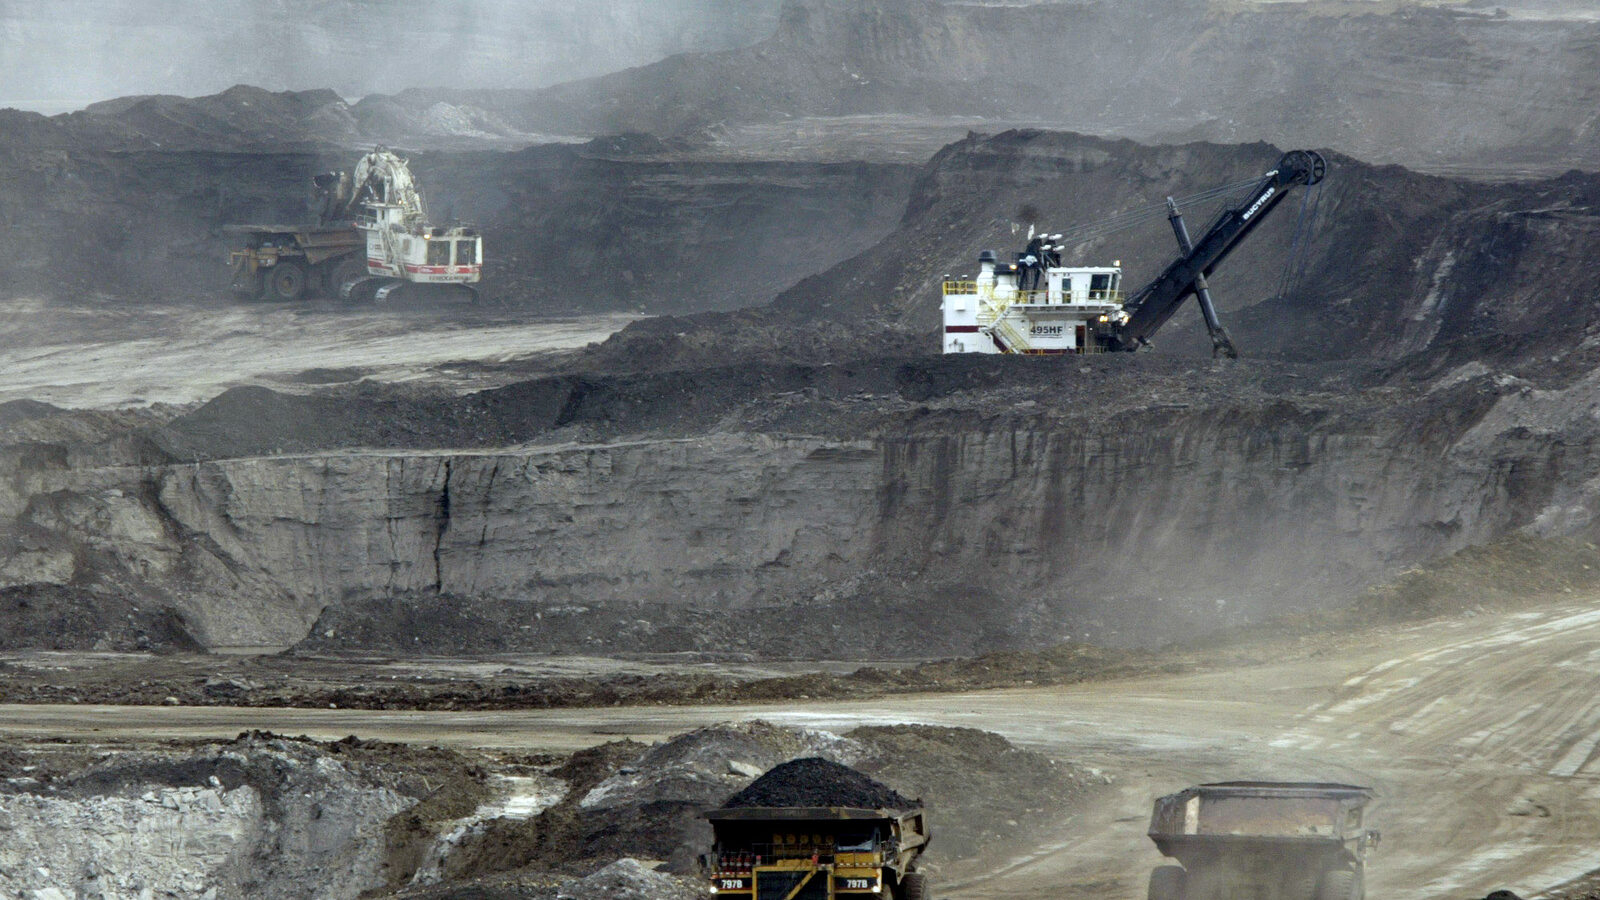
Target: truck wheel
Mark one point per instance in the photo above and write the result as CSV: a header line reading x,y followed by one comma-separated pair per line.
x,y
1167,883
1340,884
248,287
914,887
342,273
286,281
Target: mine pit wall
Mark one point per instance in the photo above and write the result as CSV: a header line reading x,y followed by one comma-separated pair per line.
x,y
715,522
944,537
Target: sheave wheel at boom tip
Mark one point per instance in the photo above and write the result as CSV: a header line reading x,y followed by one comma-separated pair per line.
x,y
1308,161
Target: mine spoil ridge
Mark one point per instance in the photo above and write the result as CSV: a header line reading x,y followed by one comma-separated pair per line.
x,y
269,816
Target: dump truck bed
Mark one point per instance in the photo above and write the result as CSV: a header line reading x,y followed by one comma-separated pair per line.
x,y
750,824
1257,811
807,813
316,242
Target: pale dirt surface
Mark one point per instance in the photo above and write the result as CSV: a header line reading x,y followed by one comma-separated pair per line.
x,y
109,357
1479,734
1548,10
873,138
487,666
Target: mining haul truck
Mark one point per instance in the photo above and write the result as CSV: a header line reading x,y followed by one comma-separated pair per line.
x,y
816,853
1262,840
1033,304
373,241
288,262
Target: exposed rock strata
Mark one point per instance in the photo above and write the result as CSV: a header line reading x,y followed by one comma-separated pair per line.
x,y
936,531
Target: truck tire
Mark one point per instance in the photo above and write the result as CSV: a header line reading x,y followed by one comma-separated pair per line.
x,y
285,281
914,887
1167,883
248,287
1340,884
343,272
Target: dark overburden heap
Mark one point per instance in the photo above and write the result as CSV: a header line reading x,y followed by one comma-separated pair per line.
x,y
817,782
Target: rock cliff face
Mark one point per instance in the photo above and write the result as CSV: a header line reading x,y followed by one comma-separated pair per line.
x,y
934,532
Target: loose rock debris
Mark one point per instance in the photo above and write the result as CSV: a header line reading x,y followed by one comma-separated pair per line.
x,y
336,820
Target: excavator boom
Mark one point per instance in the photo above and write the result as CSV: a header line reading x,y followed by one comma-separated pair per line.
x,y
1151,307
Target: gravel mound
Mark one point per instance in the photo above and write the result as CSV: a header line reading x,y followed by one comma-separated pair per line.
x,y
15,411
625,879
300,819
629,879
701,766
818,782
984,796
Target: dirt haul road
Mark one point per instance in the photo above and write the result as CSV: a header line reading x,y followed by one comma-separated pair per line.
x,y
108,357
1480,735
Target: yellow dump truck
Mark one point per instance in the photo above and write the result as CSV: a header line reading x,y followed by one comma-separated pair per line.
x,y
288,262
816,853
1262,840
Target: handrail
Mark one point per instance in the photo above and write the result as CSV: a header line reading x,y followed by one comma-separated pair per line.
x,y
970,288
1017,340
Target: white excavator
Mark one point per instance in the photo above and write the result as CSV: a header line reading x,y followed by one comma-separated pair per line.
x,y
1036,305
373,242
404,252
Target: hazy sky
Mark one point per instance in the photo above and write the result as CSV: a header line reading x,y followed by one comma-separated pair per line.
x,y
57,55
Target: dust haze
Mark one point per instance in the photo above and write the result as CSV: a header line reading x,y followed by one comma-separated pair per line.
x,y
471,522
57,57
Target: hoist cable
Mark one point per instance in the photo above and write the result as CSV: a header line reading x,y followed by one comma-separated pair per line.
x,y
1136,217
1299,257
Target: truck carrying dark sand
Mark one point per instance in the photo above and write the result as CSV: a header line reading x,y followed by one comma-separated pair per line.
x,y
1260,839
812,829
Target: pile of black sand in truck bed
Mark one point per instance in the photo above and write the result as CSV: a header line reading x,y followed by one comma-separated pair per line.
x,y
817,782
